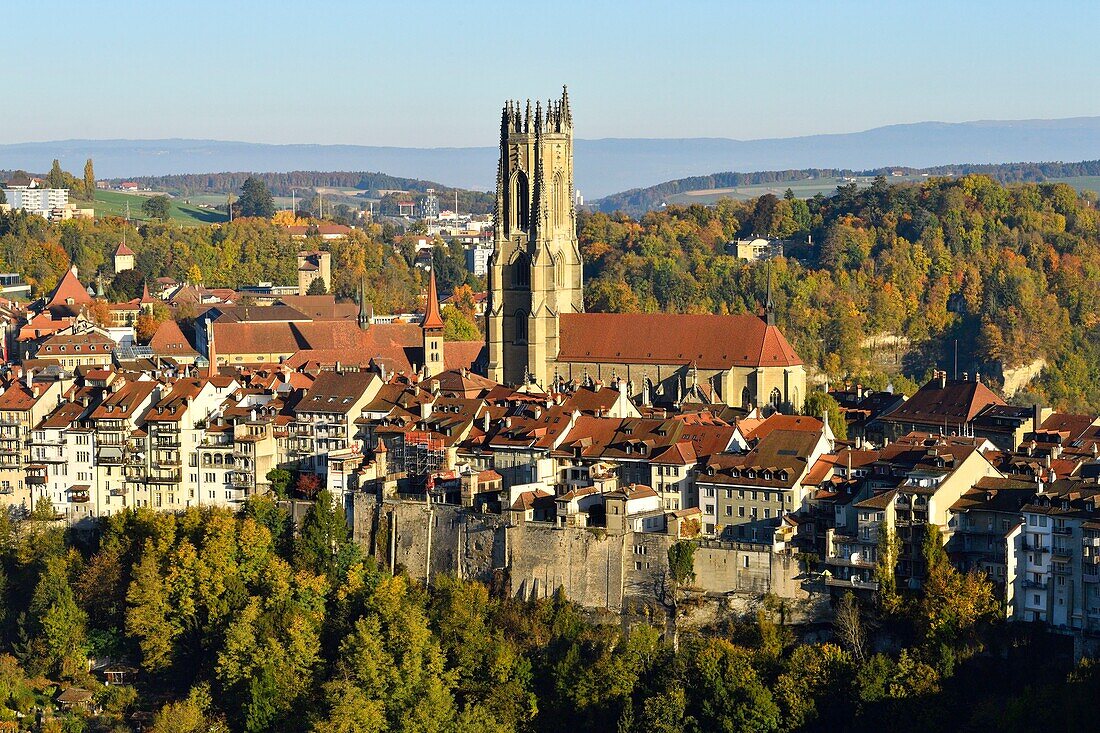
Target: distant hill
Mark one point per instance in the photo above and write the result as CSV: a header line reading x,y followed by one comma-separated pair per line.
x,y
805,183
602,166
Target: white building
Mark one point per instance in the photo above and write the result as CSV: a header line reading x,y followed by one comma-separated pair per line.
x,y
40,201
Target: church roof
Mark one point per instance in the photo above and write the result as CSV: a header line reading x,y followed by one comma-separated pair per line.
x,y
433,319
707,341
69,289
123,250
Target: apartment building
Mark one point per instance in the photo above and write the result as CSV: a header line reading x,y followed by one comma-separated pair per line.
x,y
325,418
23,404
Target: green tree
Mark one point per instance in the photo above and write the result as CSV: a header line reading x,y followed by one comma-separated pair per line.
x,y
886,567
59,626
324,537
157,207
280,479
255,200
819,403
681,572
317,287
89,180
457,326
56,177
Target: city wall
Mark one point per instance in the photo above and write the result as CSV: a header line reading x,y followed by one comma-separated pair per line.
x,y
600,570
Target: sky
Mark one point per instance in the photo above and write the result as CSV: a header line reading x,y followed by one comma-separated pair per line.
x,y
423,73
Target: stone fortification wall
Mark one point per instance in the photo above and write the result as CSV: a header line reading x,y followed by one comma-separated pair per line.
x,y
534,559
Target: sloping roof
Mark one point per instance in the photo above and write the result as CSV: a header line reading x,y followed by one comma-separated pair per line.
x,y
68,289
951,401
169,340
461,354
398,345
335,392
708,341
123,250
433,319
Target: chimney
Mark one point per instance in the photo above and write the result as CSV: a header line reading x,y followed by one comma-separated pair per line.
x,y
943,380
966,377
977,376
859,391
1036,417
29,376
485,421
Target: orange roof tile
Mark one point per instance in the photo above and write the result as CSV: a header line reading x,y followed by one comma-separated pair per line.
x,y
708,341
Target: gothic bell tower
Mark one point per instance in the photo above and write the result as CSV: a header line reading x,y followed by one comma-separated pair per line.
x,y
535,269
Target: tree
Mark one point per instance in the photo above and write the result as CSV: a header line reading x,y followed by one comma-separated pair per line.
x,y
308,485
99,313
256,199
59,625
56,177
848,626
157,207
819,404
126,285
953,603
457,327
885,569
43,509
323,537
681,571
317,287
280,479
89,180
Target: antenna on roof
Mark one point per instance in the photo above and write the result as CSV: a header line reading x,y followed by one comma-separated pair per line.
x,y
955,376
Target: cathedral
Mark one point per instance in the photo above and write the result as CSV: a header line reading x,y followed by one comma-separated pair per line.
x,y
537,331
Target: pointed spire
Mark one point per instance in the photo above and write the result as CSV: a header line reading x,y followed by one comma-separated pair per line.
x,y
433,319
769,309
364,317
527,118
538,117
567,114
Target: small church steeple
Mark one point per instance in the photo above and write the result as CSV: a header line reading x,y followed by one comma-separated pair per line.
x,y
432,330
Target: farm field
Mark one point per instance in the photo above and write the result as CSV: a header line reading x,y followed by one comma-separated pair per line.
x,y
113,203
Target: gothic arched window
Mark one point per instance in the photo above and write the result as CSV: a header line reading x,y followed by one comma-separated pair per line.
x,y
519,201
521,271
746,398
775,398
561,200
521,327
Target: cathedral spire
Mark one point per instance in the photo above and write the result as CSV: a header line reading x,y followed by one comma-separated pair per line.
x,y
567,114
527,118
769,309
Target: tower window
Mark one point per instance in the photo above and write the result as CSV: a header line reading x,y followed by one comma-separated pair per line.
x,y
520,201
521,272
776,398
521,327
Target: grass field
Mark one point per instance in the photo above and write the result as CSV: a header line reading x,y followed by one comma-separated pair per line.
x,y
113,203
1081,183
812,186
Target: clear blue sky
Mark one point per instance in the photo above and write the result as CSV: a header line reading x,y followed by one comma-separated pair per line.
x,y
425,73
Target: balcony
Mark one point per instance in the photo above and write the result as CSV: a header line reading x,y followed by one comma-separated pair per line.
x,y
1062,530
853,583
165,477
33,480
1036,584
1061,554
118,492
167,463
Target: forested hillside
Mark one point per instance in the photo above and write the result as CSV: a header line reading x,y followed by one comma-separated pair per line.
x,y
1010,272
233,623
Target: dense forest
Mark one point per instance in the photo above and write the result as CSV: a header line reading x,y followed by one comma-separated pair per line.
x,y
239,623
639,200
1008,273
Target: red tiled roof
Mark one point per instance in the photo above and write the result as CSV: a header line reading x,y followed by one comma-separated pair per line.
x,y
169,340
69,289
123,250
956,401
708,341
461,354
433,319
